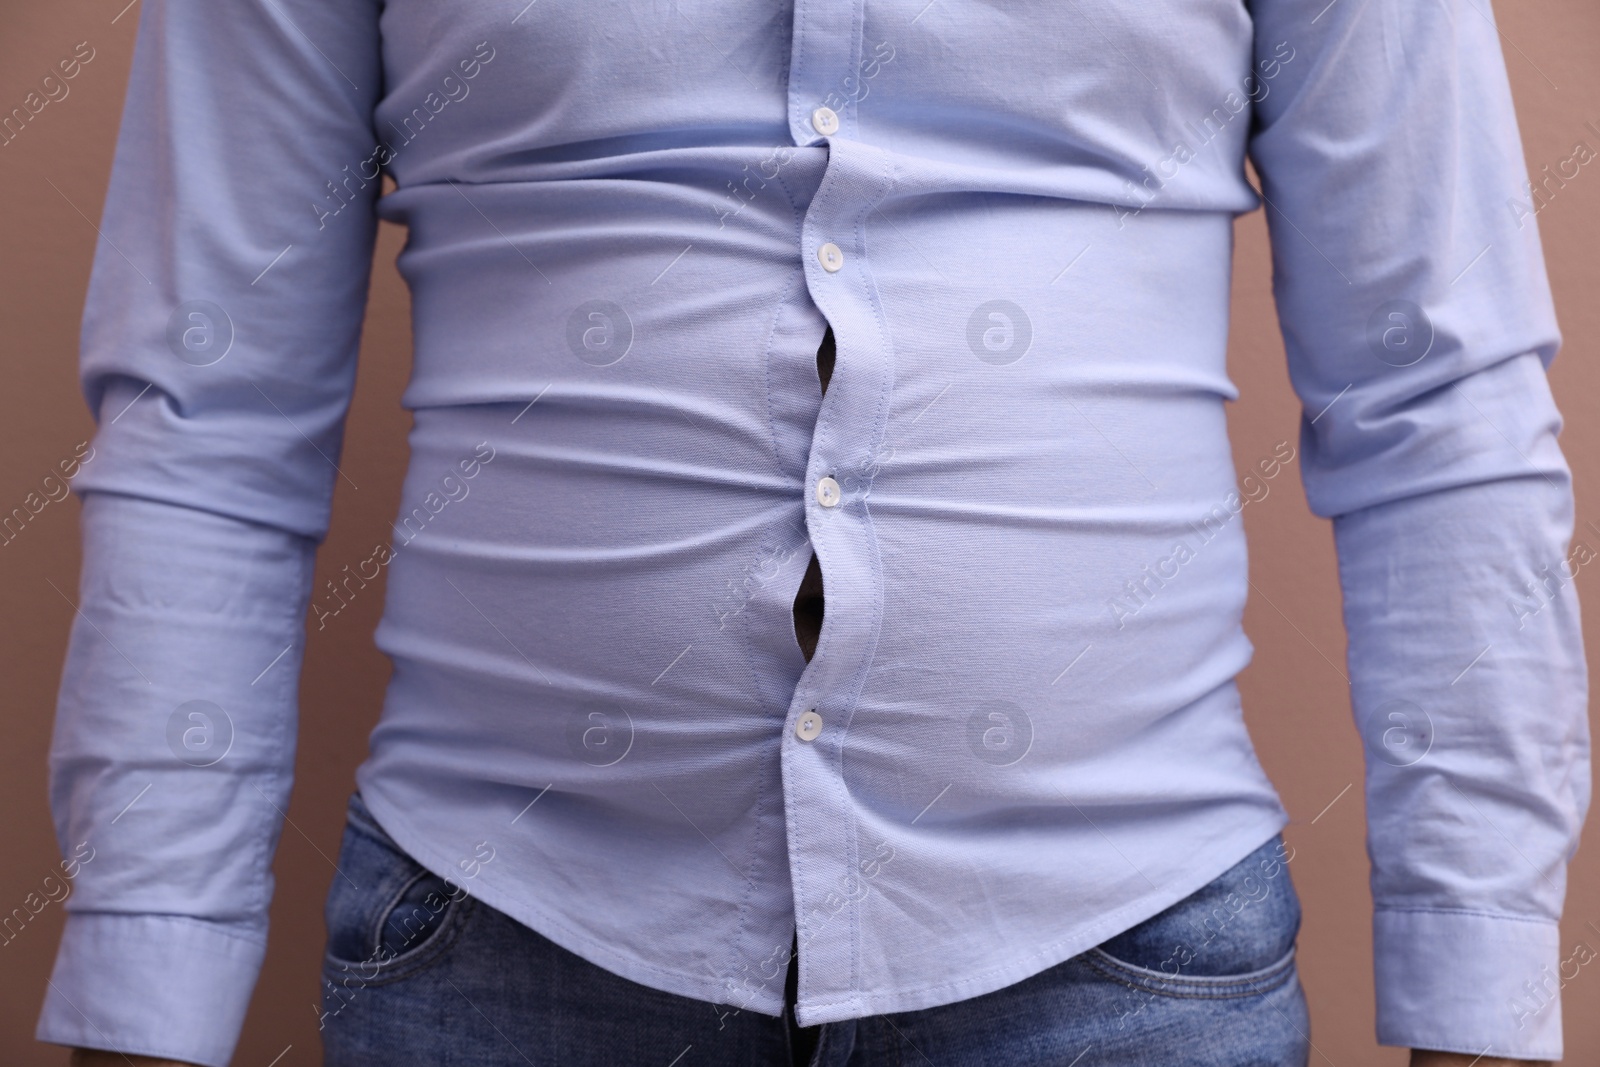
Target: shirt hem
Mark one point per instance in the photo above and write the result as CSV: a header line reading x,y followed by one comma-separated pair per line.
x,y
1235,847
679,983
1231,849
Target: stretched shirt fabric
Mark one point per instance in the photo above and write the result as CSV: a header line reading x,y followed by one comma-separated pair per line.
x,y
630,225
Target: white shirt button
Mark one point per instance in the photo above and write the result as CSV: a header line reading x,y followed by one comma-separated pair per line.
x,y
830,255
825,121
808,726
828,493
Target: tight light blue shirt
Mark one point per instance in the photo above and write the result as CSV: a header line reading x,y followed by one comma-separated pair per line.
x,y
629,226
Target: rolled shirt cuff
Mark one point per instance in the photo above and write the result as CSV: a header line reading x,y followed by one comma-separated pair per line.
x,y
1469,982
153,985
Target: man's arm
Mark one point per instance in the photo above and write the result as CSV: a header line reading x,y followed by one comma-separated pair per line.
x,y
218,355
1418,324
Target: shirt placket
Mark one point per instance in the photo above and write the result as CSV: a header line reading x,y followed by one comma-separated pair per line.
x,y
824,855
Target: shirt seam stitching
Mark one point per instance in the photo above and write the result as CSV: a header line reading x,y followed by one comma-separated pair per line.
x,y
1476,913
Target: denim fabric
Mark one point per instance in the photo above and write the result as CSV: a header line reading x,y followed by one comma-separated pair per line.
x,y
419,972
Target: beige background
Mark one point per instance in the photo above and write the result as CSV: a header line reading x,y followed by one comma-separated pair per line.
x,y
52,183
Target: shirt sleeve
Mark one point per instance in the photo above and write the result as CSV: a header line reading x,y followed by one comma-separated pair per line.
x,y
1418,324
218,355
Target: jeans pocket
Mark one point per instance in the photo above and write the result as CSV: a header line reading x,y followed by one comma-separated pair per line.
x,y
388,916
1233,937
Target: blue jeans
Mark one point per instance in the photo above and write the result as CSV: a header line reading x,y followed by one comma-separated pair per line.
x,y
418,972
